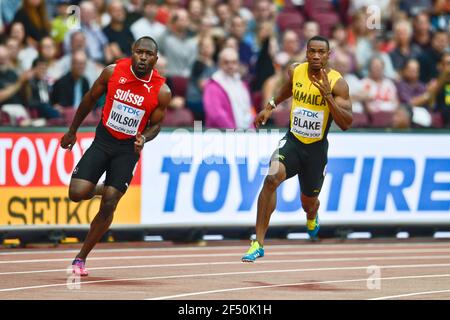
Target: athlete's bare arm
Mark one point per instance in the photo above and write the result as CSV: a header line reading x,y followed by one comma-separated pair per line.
x,y
155,119
284,93
338,100
87,104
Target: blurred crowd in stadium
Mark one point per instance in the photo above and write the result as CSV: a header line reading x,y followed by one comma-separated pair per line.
x,y
224,59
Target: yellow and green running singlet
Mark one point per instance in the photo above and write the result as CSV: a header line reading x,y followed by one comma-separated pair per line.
x,y
310,116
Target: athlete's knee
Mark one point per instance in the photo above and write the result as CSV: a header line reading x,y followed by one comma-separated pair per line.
x,y
76,195
273,181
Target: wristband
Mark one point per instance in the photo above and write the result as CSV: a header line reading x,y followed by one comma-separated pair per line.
x,y
143,137
272,103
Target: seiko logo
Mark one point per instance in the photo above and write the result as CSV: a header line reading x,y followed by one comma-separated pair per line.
x,y
127,96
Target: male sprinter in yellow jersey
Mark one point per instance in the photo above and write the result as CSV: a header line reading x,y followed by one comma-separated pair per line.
x,y
320,95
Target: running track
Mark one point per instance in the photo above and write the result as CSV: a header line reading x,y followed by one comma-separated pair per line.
x,y
290,270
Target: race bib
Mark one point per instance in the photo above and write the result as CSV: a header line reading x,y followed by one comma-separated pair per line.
x,y
307,123
124,118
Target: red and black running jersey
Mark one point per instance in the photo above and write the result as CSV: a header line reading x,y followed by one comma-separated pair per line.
x,y
129,100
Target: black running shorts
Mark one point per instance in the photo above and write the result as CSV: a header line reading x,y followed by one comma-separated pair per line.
x,y
116,157
308,161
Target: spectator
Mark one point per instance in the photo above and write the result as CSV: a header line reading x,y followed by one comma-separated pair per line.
x,y
429,58
166,10
263,67
103,18
134,11
310,29
339,46
14,48
411,90
237,9
78,43
378,44
178,47
40,91
360,39
95,38
33,16
381,90
196,13
237,30
69,90
209,9
440,16
358,93
48,51
27,53
226,97
178,101
414,7
422,31
202,70
402,118
272,86
403,50
8,11
147,25
441,98
290,45
223,14
263,11
414,94
119,35
177,115
59,25
12,99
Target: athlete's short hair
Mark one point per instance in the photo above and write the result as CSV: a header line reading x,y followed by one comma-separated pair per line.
x,y
319,38
146,38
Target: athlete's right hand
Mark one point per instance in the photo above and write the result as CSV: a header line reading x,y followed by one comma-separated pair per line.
x,y
68,140
263,116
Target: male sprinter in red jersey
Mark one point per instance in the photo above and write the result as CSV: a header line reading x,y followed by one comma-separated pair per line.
x,y
319,96
136,101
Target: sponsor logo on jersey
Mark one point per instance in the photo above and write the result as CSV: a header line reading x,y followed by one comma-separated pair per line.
x,y
129,97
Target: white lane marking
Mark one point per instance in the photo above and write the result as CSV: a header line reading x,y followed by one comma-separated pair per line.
x,y
203,275
190,294
209,255
232,246
410,295
199,264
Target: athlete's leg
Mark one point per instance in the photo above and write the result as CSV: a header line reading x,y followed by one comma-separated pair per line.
x,y
267,199
102,220
83,184
310,205
80,189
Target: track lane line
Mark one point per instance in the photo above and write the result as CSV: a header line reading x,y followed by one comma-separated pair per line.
x,y
203,275
287,246
190,294
199,264
208,255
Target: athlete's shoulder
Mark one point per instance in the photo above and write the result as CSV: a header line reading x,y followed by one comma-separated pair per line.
x,y
107,73
334,72
298,65
165,90
164,95
293,67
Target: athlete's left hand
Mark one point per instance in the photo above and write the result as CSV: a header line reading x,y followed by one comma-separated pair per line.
x,y
139,143
323,85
